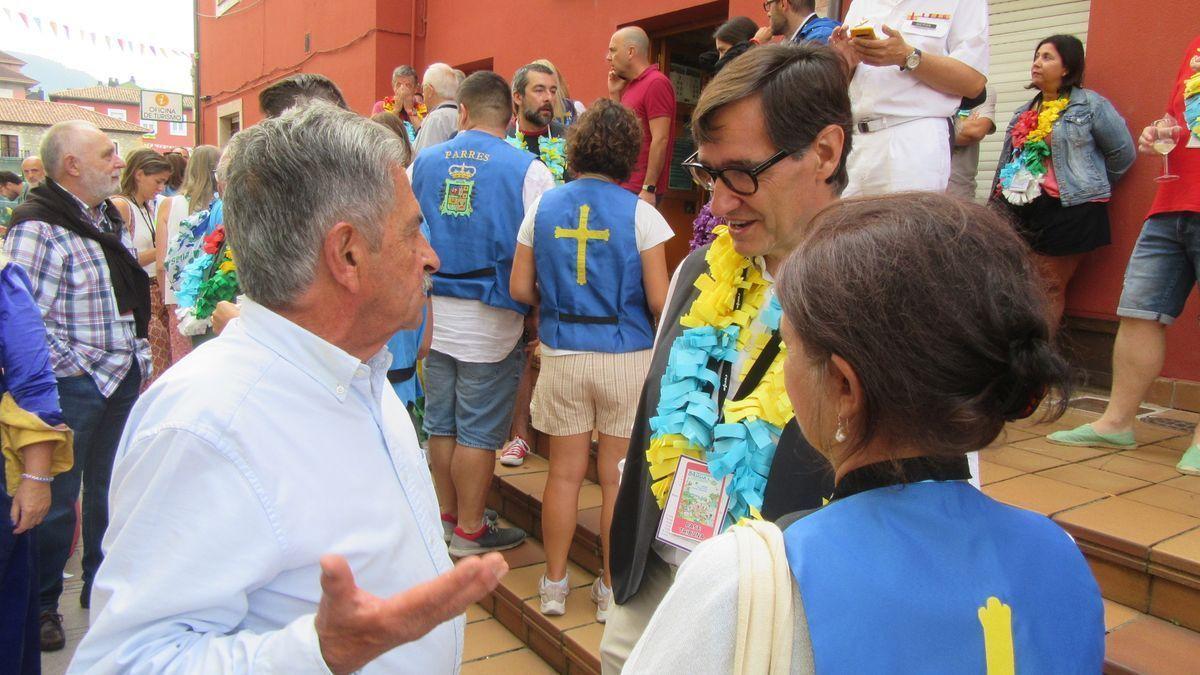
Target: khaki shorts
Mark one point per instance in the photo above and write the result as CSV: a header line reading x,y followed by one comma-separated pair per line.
x,y
577,393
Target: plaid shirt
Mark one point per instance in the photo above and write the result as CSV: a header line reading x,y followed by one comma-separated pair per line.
x,y
73,289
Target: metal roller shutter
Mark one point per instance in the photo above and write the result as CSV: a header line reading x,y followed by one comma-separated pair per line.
x,y
1016,28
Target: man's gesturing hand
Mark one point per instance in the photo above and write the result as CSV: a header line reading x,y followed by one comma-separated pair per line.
x,y
354,627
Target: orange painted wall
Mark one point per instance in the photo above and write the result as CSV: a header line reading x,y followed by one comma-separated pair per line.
x,y
354,42
1132,58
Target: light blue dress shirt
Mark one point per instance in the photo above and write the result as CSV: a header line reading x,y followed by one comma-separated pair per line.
x,y
245,463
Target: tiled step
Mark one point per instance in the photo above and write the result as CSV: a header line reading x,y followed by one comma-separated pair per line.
x,y
1135,518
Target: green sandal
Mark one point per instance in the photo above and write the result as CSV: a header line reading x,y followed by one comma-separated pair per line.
x,y
1190,462
1086,436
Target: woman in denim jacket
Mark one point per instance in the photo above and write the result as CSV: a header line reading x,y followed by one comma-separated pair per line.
x,y
1063,152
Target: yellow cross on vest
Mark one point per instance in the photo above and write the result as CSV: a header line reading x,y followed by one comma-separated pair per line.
x,y
996,619
581,235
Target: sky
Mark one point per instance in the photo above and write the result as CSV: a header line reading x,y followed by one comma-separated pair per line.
x,y
161,23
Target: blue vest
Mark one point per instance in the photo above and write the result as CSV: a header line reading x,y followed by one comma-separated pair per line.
x,y
902,579
404,346
470,192
589,269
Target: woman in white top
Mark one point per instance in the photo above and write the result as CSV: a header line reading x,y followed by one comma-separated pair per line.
x,y
591,256
145,174
196,194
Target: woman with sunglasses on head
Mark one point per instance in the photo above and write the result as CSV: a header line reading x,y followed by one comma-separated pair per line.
x,y
907,568
591,256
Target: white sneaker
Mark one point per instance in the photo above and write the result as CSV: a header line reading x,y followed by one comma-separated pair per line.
x,y
514,452
553,595
602,596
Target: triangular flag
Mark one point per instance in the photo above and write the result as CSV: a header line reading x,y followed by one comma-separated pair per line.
x,y
67,31
153,52
54,27
93,38
24,17
38,22
8,12
108,41
121,44
142,47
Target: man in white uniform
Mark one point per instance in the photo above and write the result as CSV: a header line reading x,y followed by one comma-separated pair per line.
x,y
927,56
270,508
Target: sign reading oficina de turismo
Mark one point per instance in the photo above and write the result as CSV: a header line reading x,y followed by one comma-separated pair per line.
x,y
162,106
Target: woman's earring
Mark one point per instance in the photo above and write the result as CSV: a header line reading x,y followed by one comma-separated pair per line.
x,y
840,434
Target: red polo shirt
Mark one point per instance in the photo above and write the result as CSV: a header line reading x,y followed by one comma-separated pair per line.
x,y
650,96
1182,194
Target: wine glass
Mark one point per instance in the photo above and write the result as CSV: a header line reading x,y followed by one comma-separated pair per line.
x,y
1167,133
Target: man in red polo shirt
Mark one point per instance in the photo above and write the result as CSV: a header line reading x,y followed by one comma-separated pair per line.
x,y
641,87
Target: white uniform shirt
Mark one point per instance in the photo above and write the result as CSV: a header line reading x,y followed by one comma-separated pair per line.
x,y
470,330
244,464
954,28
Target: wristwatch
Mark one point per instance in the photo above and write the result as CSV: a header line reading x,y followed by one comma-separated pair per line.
x,y
649,188
912,60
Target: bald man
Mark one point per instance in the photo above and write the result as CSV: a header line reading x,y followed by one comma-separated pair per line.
x,y
34,173
642,87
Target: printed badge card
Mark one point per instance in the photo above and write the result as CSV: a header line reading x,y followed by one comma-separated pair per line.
x,y
696,506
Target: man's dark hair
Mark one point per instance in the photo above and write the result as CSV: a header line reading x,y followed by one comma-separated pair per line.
x,y
521,78
7,177
486,97
803,89
971,347
736,30
802,6
297,90
604,140
1070,51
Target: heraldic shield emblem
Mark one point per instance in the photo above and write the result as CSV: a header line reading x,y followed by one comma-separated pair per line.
x,y
459,191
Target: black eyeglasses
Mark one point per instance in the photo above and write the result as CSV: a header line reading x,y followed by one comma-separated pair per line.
x,y
742,181
767,5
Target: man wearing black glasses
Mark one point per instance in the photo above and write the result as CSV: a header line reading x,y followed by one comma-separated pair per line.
x,y
773,131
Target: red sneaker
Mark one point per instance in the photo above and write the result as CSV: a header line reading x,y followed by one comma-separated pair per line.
x,y
514,453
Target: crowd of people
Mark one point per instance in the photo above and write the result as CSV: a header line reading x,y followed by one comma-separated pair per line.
x,y
233,355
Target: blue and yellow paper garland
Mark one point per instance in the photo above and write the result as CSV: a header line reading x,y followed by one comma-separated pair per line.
x,y
686,421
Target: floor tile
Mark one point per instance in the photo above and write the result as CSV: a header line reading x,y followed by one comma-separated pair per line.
x,y
1133,467
1017,458
994,473
1169,498
1066,453
1189,483
1094,479
1179,443
1155,453
589,519
477,613
1069,420
484,638
1125,525
1116,614
528,553
585,639
522,661
590,496
1012,434
1181,552
523,582
1149,645
1040,494
532,484
532,464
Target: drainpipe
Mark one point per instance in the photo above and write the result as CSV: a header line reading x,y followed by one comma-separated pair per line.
x,y
199,130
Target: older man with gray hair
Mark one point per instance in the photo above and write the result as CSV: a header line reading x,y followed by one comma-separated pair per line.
x,y
438,87
95,302
272,511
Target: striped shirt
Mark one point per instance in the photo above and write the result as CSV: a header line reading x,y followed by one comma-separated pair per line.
x,y
71,284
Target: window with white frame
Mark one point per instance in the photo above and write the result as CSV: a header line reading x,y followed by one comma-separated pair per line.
x,y
117,113
151,127
179,129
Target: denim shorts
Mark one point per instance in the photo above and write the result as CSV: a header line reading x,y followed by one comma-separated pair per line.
x,y
1163,268
471,401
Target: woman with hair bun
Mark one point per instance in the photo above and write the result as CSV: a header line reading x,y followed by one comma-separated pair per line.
x,y
915,329
591,256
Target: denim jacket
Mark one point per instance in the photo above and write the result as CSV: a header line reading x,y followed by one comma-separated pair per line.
x,y
1090,146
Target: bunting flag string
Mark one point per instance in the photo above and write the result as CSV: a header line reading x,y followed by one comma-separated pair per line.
x,y
67,32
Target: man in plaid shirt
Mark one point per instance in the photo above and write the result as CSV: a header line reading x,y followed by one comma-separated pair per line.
x,y
78,254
